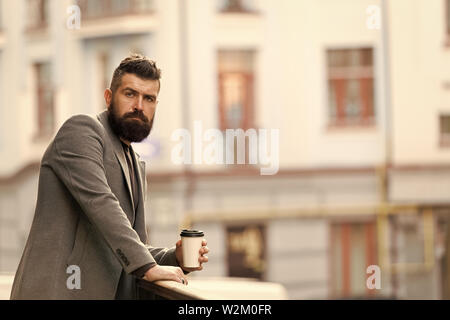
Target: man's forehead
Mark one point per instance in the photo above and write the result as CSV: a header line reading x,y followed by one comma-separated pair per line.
x,y
145,86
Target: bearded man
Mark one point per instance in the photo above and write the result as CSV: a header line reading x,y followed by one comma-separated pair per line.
x,y
89,222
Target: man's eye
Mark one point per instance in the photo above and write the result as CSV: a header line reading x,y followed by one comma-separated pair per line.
x,y
150,99
129,94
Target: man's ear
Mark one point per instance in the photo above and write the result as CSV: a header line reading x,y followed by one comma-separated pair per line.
x,y
108,97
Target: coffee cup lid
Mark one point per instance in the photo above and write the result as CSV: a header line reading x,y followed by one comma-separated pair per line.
x,y
191,233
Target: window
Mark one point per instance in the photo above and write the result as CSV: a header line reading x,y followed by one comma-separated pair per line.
x,y
234,6
3,117
104,71
107,8
235,89
104,75
353,249
1,18
38,14
351,86
444,130
443,249
45,100
447,15
236,96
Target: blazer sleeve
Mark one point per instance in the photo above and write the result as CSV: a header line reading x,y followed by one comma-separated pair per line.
x,y
163,256
77,159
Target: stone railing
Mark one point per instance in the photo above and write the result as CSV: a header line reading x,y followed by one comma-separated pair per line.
x,y
212,289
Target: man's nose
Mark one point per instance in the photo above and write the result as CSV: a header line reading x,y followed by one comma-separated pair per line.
x,y
139,104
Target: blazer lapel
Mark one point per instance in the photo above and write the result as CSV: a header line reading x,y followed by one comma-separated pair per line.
x,y
118,151
123,164
139,222
142,174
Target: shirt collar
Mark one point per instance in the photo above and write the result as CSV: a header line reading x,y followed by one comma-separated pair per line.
x,y
125,147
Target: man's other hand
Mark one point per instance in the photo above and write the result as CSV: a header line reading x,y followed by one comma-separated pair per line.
x,y
165,273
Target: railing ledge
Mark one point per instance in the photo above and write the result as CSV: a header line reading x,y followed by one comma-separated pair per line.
x,y
212,289
170,290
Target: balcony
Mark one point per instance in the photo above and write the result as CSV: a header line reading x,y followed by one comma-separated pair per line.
x,y
212,289
197,289
98,9
235,6
115,17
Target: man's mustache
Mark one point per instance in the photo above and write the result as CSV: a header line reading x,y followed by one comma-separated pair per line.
x,y
136,114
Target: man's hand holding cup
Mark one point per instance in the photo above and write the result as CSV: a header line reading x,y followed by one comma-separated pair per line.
x,y
191,250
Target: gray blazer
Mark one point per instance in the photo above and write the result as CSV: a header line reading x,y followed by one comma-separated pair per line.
x,y
84,217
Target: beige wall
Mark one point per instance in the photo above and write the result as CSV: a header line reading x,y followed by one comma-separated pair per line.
x,y
419,69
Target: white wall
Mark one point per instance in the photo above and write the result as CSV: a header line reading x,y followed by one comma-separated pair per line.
x,y
419,67
326,24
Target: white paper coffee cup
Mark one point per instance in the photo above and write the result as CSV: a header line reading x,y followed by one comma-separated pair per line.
x,y
191,242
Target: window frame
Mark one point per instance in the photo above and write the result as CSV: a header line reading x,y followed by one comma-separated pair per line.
x,y
43,20
341,231
444,138
363,74
248,107
447,19
42,88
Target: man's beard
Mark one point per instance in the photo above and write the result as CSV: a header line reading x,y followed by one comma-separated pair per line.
x,y
127,126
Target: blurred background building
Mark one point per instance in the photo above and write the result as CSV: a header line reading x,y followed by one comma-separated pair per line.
x,y
359,89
